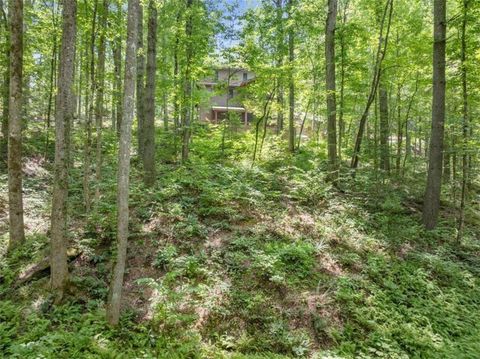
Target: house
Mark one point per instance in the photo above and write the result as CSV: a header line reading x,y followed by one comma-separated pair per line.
x,y
224,96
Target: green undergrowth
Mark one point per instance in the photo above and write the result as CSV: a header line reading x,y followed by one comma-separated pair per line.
x,y
233,260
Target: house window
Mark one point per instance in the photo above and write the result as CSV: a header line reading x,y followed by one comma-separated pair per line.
x,y
245,76
230,92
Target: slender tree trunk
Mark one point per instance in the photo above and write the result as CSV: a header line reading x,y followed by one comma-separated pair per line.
x,y
280,54
291,80
187,105
64,114
6,86
149,124
447,159
380,55
100,89
15,197
343,53
431,206
115,290
398,159
52,81
117,61
88,123
5,99
140,87
331,87
384,127
465,125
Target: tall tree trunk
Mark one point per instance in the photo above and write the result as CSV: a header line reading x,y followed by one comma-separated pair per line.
x,y
291,80
100,89
380,55
115,290
343,55
117,61
465,125
331,87
280,54
64,114
149,125
140,86
52,82
15,197
431,206
398,159
5,87
384,127
88,122
187,105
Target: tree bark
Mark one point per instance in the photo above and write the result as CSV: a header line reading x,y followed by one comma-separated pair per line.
x,y
291,92
465,124
384,127
187,104
117,63
88,123
5,88
331,88
280,54
100,89
431,206
343,55
64,114
15,197
380,55
149,124
140,87
115,290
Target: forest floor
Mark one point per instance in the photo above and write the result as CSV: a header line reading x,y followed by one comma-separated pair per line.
x,y
232,260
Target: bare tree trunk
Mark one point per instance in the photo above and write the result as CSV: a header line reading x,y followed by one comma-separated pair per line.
x,y
343,55
398,159
140,87
149,124
52,81
280,53
291,80
431,206
15,197
88,123
117,61
100,88
331,87
380,55
5,88
64,115
115,290
187,105
384,128
465,125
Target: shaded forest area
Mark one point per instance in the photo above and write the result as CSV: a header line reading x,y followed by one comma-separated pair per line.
x,y
337,216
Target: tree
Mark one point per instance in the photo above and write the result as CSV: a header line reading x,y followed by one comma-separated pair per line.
x,y
431,205
140,86
149,120
465,121
100,89
15,197
384,128
330,86
187,103
386,21
291,80
63,116
115,290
